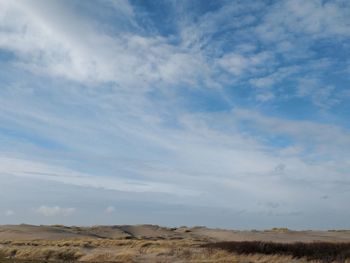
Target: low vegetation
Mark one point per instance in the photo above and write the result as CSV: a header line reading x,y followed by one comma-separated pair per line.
x,y
322,251
166,251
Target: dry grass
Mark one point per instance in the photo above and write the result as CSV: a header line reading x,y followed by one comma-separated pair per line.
x,y
41,253
165,251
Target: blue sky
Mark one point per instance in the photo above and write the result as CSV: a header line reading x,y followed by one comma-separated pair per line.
x,y
230,114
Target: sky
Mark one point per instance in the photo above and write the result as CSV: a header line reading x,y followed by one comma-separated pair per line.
x,y
228,114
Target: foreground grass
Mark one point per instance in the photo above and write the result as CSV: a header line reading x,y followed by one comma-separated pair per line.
x,y
166,251
323,251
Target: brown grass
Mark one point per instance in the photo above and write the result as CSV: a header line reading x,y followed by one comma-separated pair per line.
x,y
166,251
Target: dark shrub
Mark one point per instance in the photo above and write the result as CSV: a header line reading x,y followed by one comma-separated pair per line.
x,y
325,251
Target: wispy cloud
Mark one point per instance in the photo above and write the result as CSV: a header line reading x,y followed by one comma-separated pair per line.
x,y
9,213
321,95
110,209
238,64
213,104
316,18
78,51
37,170
55,211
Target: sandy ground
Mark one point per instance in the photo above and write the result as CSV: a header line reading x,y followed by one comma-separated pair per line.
x,y
153,232
143,243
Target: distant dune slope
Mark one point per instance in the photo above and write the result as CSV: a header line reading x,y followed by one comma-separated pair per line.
x,y
154,232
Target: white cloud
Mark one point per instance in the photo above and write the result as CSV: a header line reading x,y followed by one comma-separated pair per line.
x,y
114,137
9,213
317,138
201,159
38,170
279,75
122,6
234,63
265,96
268,81
46,44
306,86
314,18
238,64
50,211
323,96
110,209
199,33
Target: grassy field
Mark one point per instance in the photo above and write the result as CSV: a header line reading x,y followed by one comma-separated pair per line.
x,y
107,250
156,244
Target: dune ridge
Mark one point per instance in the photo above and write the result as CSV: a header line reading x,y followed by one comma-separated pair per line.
x,y
153,243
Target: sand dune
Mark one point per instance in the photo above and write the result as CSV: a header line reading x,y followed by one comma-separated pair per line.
x,y
146,243
154,232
